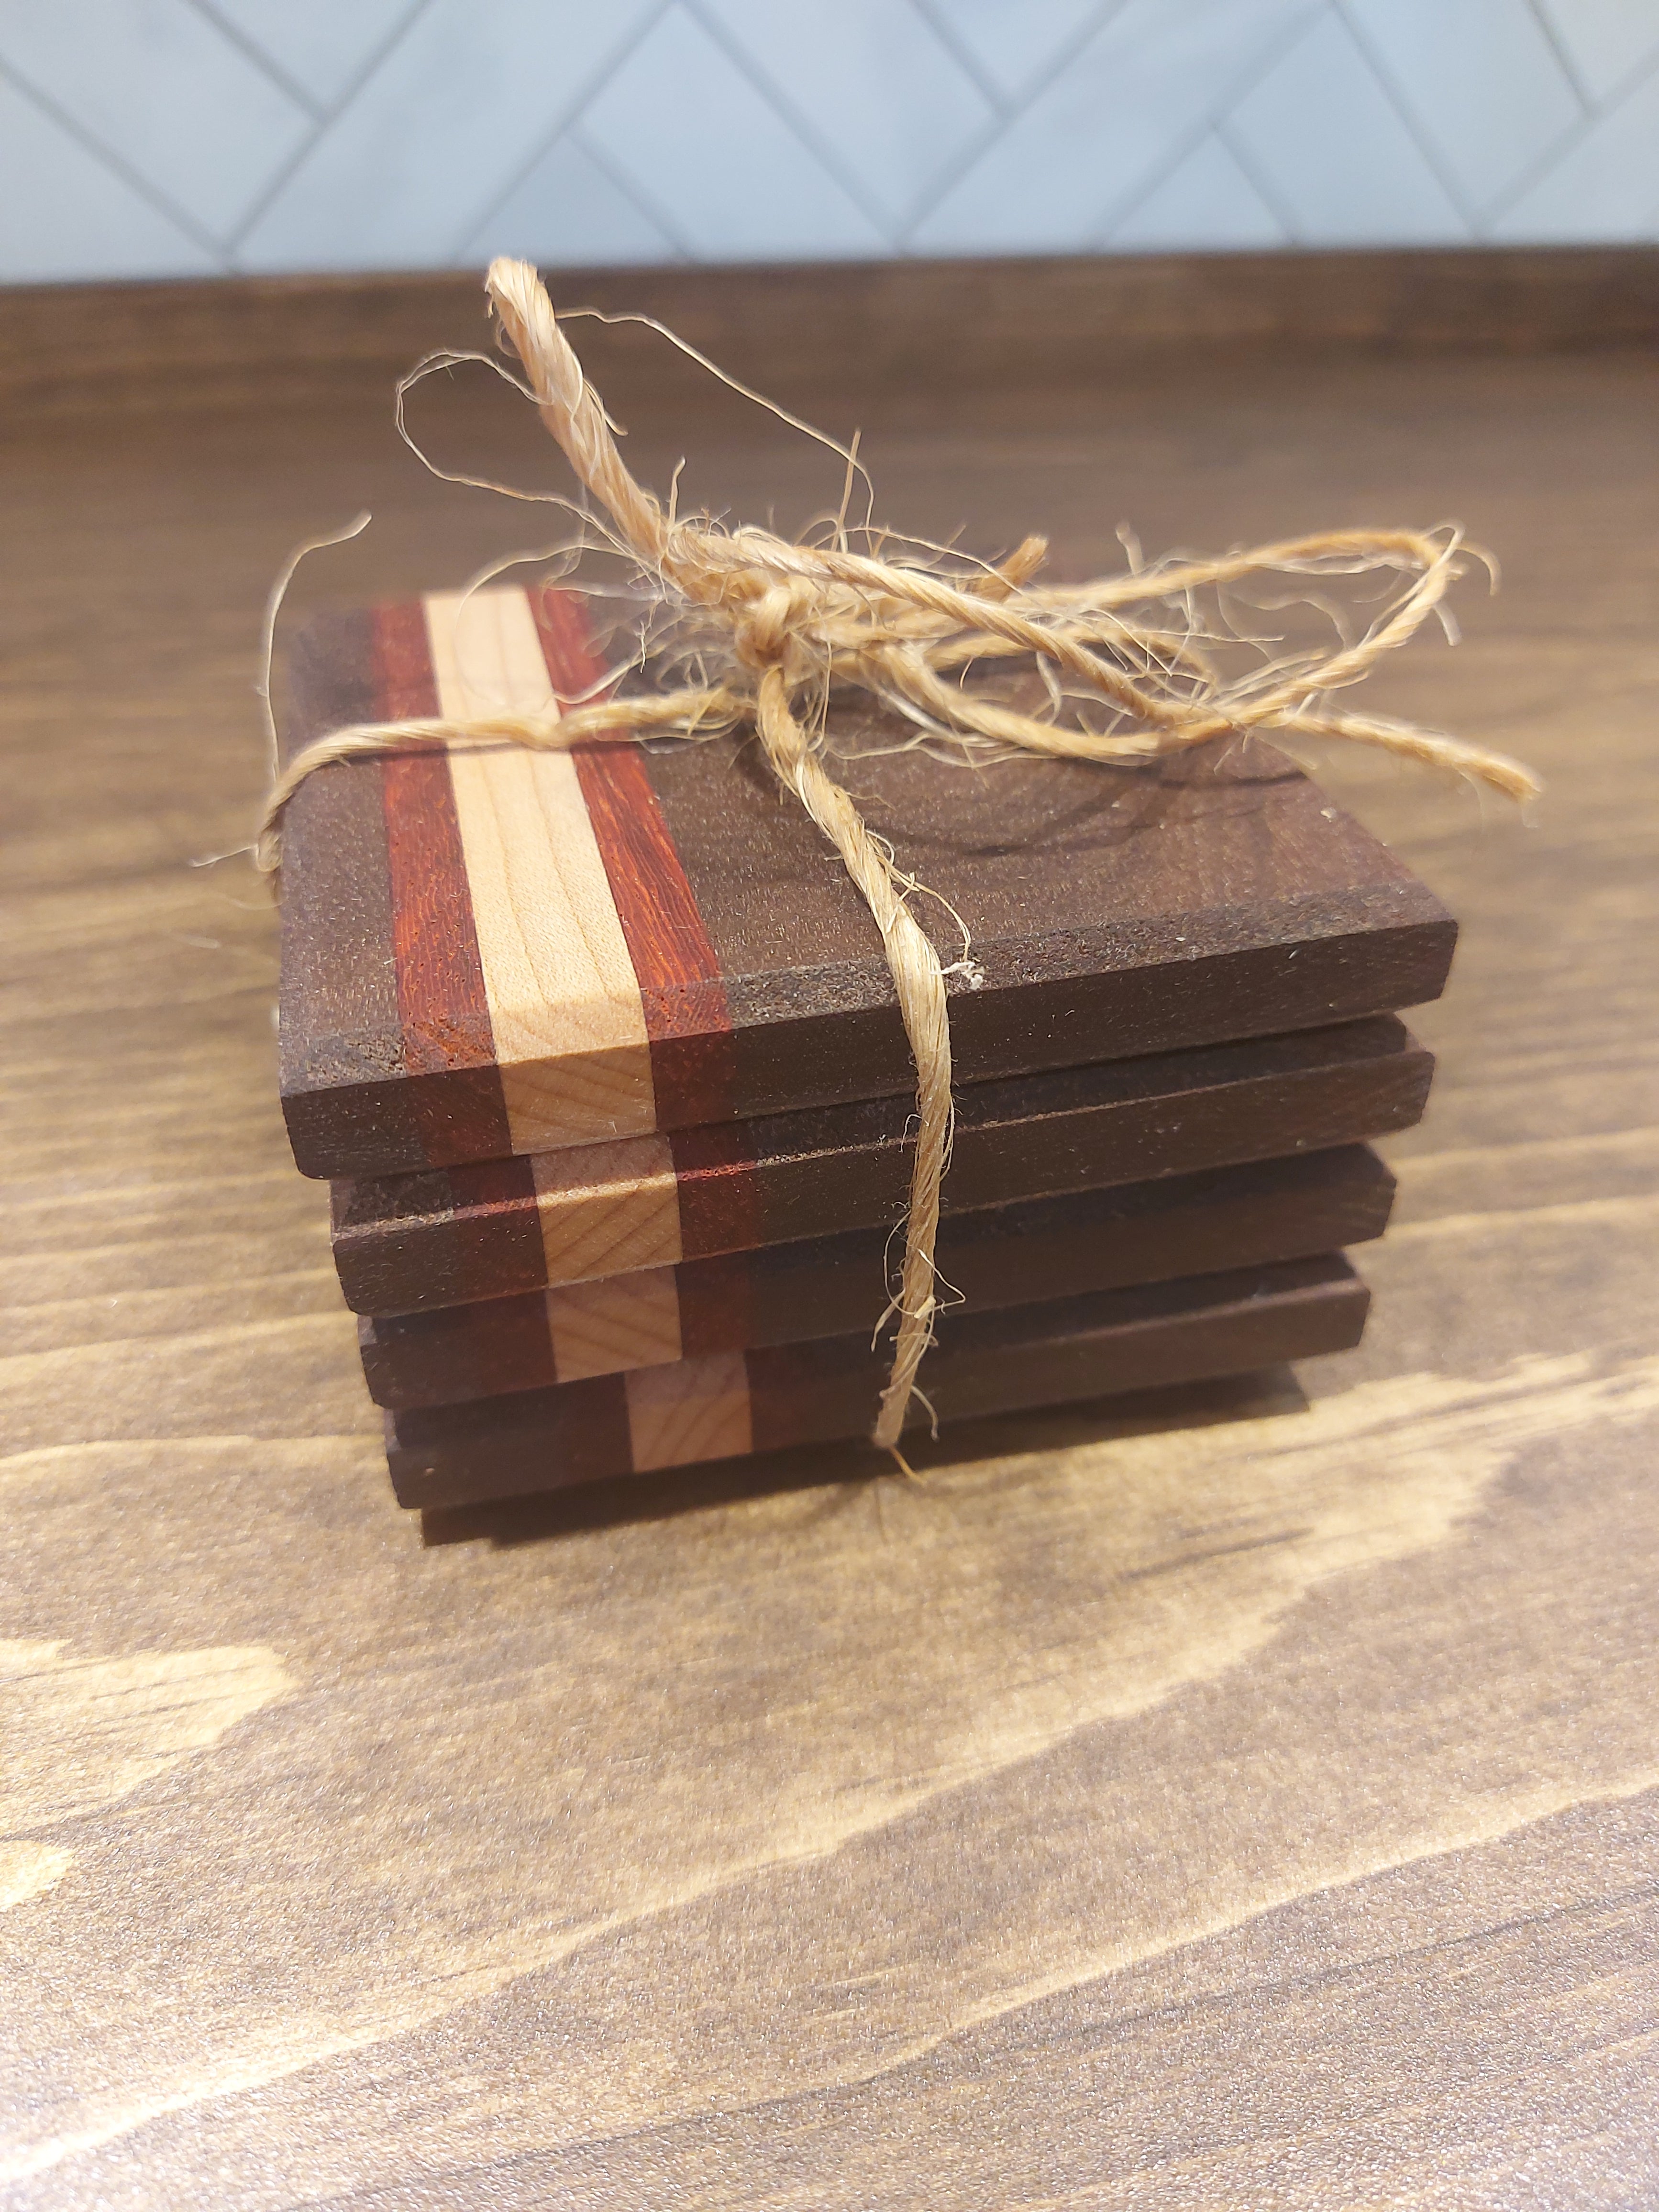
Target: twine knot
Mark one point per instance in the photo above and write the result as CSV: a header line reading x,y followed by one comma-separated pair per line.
x,y
770,628
776,627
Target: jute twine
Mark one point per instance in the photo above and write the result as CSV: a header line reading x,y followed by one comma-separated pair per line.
x,y
780,625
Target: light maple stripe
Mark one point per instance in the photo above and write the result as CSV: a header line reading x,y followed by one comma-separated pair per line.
x,y
569,1026
622,1322
607,1209
697,1409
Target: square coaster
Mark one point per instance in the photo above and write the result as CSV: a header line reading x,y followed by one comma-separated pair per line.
x,y
410,1243
1008,1255
733,1403
487,952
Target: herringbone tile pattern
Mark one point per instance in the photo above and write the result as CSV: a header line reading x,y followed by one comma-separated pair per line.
x,y
152,137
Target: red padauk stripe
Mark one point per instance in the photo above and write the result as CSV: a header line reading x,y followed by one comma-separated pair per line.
x,y
683,998
442,1009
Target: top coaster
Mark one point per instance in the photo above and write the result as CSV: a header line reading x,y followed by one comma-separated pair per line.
x,y
488,950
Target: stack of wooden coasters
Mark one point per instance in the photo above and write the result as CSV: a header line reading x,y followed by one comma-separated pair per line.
x,y
601,1054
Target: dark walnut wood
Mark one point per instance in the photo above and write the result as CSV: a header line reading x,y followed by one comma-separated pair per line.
x,y
1236,1797
999,1256
738,1402
1111,912
408,1244
869,329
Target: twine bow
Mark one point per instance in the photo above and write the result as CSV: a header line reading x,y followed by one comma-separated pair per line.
x,y
775,626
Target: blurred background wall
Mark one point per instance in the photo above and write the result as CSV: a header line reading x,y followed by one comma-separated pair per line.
x,y
180,138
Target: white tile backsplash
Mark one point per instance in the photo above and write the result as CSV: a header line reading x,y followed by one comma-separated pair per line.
x,y
1069,165
723,173
1205,202
870,84
1330,150
460,107
1605,42
1012,49
161,138
1486,128
321,47
65,214
567,211
159,87
1605,185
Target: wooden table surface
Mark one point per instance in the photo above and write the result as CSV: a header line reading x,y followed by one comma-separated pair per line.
x,y
1245,1799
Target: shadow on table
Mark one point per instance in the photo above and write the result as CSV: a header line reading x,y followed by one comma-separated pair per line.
x,y
1037,1435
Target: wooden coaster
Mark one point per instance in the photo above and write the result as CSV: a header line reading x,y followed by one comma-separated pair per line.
x,y
408,1243
738,1402
1006,1256
493,952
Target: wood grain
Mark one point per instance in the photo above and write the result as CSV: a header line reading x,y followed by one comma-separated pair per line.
x,y
732,1403
1010,323
592,1328
676,969
1241,1798
568,1026
699,1409
412,1244
352,879
600,1209
432,948
1285,1209
1114,911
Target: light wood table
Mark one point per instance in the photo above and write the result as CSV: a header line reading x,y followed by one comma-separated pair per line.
x,y
1245,1800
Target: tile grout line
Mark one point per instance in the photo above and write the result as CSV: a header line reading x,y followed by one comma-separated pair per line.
x,y
114,163
469,254
1541,15
1405,115
1160,174
896,231
569,126
329,115
632,190
1064,55
266,63
801,127
939,21
1215,124
1259,184
1631,81
1571,140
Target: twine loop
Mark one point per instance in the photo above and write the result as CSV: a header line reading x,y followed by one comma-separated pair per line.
x,y
776,626
767,630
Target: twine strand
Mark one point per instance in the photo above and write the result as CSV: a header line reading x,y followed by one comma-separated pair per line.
x,y
783,623
919,979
